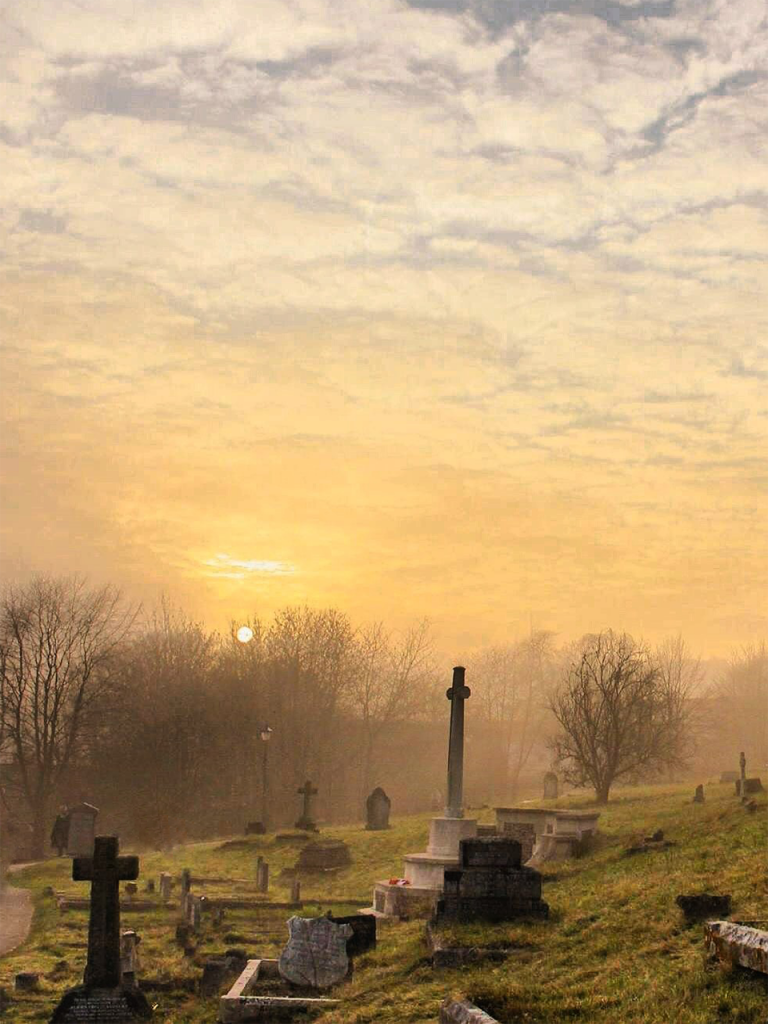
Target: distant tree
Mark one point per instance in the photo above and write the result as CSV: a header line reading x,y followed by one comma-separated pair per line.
x,y
511,683
59,640
737,704
612,712
680,682
390,684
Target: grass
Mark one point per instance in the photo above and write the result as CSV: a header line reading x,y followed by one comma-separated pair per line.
x,y
615,950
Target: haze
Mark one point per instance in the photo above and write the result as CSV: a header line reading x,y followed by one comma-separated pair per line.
x,y
451,309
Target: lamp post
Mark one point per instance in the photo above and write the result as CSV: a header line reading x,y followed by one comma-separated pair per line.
x,y
265,734
245,634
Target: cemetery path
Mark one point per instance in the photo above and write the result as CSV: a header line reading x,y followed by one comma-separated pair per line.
x,y
15,917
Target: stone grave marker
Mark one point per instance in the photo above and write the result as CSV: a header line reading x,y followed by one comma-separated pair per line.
x,y
306,822
698,797
550,786
316,954
377,810
165,886
103,998
81,830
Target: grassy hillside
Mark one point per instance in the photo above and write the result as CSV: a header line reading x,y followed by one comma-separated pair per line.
x,y
615,950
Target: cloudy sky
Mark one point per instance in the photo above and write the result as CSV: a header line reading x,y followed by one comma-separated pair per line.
x,y
452,308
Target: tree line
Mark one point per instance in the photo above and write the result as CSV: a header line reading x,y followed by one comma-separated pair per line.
x,y
159,721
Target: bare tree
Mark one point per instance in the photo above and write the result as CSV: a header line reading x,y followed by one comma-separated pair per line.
x,y
737,704
612,713
58,642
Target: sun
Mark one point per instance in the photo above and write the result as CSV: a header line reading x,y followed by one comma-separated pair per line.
x,y
245,634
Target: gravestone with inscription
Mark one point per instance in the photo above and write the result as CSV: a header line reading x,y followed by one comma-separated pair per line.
x,y
103,998
316,954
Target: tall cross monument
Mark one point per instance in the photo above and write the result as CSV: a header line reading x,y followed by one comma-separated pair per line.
x,y
456,694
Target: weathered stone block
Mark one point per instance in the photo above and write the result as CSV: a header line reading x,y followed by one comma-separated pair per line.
x,y
738,944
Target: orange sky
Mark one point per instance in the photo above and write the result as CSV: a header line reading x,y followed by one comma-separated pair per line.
x,y
416,309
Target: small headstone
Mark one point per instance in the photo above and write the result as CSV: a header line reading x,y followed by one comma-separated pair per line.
x,y
131,888
262,877
151,885
363,935
165,886
215,974
296,891
550,786
81,829
186,882
701,905
183,934
129,957
316,954
750,786
255,828
306,821
103,997
377,810
195,909
26,981
698,797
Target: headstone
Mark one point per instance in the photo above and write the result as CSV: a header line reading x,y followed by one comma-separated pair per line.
x,y
490,884
103,997
262,877
151,885
131,889
296,891
550,786
81,830
751,786
129,957
377,810
324,855
698,797
363,935
316,954
216,971
306,822
186,882
701,905
165,886
194,904
26,981
255,828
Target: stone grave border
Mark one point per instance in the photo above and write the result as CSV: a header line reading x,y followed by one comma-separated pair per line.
x,y
460,956
241,1004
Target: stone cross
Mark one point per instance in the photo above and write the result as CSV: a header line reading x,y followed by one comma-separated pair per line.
x,y
307,791
457,694
105,870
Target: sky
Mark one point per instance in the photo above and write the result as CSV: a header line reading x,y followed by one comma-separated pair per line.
x,y
415,308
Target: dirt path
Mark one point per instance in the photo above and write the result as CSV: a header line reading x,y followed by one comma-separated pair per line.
x,y
15,912
15,917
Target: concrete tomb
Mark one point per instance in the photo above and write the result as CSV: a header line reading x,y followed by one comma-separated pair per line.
x,y
738,944
324,855
103,997
491,884
377,810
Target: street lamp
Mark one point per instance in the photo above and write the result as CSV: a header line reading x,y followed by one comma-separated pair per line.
x,y
245,634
